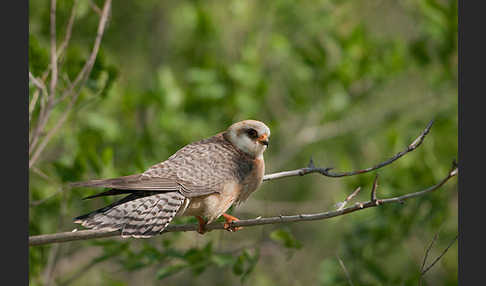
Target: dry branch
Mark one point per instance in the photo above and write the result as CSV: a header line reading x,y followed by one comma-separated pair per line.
x,y
53,84
422,270
345,270
90,234
327,171
341,205
69,29
440,256
73,90
40,88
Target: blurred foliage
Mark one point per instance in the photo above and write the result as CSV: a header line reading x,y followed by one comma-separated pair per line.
x,y
348,83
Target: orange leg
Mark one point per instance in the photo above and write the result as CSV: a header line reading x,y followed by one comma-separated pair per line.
x,y
229,219
202,225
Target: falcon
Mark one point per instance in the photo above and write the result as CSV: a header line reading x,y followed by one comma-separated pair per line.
x,y
202,179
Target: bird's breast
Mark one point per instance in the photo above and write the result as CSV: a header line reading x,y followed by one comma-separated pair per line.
x,y
214,205
253,180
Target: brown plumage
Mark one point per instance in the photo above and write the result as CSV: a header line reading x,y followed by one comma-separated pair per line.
x,y
202,179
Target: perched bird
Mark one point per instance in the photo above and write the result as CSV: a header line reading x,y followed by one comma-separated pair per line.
x,y
202,179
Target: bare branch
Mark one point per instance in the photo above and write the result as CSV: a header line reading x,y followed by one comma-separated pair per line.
x,y
51,262
427,255
440,256
428,250
41,174
345,270
65,42
341,205
33,103
53,84
37,82
51,133
65,95
90,234
36,203
80,272
69,29
79,81
40,88
85,71
45,111
373,189
326,171
95,7
54,251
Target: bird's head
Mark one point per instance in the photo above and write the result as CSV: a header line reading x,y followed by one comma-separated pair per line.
x,y
249,136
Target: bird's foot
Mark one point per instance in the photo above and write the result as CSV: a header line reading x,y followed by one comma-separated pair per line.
x,y
229,219
202,225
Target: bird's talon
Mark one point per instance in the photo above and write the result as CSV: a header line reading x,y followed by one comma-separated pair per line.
x,y
201,230
231,228
228,224
202,225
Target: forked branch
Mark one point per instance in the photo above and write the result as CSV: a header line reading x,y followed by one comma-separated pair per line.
x,y
39,138
373,202
327,171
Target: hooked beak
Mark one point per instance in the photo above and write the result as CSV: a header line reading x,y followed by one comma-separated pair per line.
x,y
263,139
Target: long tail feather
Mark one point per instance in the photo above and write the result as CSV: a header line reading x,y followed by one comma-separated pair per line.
x,y
107,183
112,192
137,215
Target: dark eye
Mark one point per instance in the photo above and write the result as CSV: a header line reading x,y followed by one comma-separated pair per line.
x,y
252,133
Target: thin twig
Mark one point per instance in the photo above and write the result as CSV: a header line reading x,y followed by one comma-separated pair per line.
x,y
428,250
33,103
37,82
40,88
440,256
65,95
36,203
54,251
46,110
62,48
341,205
51,132
373,189
41,122
42,174
47,276
80,272
69,29
345,270
326,171
95,7
79,81
53,84
427,255
90,234
85,71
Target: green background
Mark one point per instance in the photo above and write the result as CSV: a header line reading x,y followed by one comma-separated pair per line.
x,y
348,83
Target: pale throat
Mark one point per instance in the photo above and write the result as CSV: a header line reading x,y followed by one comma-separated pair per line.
x,y
246,145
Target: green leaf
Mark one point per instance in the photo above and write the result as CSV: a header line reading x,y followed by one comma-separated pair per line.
x,y
285,238
238,267
245,263
170,270
222,259
252,261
